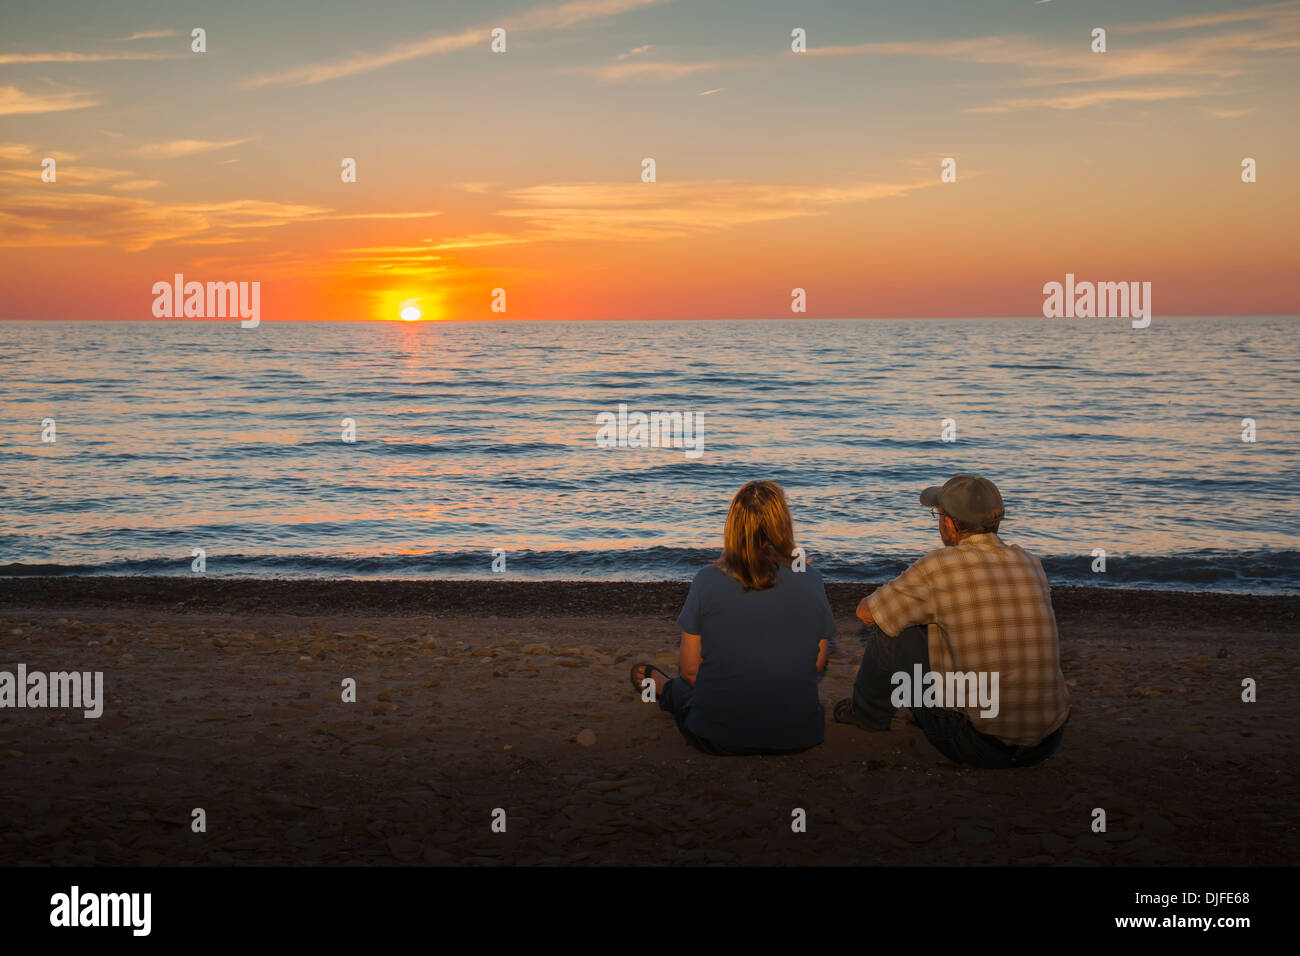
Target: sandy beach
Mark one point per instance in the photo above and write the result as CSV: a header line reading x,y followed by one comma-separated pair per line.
x,y
478,695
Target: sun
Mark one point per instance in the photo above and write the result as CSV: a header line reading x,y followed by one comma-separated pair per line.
x,y
399,305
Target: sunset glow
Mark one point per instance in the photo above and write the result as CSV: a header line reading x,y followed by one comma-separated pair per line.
x,y
310,171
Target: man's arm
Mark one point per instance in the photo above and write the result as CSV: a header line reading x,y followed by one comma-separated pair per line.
x,y
864,613
902,602
689,657
823,652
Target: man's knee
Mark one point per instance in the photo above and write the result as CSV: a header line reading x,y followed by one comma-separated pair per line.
x,y
911,646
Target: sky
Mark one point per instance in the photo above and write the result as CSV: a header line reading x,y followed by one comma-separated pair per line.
x,y
523,170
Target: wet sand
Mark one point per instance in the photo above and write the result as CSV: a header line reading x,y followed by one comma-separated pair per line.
x,y
473,696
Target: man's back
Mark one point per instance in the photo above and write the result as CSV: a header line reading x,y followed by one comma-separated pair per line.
x,y
989,609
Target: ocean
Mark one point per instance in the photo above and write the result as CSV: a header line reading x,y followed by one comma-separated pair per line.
x,y
475,437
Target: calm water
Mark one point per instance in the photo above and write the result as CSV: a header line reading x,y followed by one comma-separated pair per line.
x,y
475,436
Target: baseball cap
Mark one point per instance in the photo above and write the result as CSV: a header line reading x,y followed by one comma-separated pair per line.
x,y
973,502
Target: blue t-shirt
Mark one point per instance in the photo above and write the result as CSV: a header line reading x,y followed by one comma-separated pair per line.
x,y
757,684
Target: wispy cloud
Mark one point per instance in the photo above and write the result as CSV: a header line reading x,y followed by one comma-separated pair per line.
x,y
424,214
176,148
25,151
1180,67
68,175
555,17
609,212
15,152
8,59
622,211
366,62
636,51
41,215
1230,114
1085,98
1266,11
479,240
55,217
654,71
14,101
150,35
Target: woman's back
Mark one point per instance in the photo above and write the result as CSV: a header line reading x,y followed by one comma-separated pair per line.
x,y
757,682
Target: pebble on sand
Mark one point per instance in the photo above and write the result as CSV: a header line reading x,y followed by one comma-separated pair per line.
x,y
587,738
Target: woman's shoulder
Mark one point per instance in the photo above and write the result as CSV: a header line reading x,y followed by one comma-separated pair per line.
x,y
709,574
808,576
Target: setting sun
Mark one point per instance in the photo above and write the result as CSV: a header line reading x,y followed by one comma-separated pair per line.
x,y
399,305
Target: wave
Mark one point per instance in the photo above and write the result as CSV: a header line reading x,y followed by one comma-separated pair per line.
x,y
1239,571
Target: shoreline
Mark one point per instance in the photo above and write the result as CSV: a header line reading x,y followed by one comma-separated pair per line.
x,y
511,598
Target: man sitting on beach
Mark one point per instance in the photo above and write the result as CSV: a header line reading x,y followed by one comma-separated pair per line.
x,y
977,612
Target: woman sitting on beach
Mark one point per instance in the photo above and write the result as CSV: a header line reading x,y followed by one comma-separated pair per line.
x,y
755,635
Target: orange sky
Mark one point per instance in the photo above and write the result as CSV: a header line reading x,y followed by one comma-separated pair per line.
x,y
522,170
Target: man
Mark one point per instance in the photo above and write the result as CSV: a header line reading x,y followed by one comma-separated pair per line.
x,y
978,614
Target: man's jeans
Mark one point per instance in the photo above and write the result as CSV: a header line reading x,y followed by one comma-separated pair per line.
x,y
950,731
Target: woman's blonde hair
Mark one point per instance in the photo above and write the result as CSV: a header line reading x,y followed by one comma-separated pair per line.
x,y
759,536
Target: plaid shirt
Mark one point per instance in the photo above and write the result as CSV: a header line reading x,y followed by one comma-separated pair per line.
x,y
993,602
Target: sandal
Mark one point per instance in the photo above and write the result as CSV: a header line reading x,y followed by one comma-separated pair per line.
x,y
649,668
843,712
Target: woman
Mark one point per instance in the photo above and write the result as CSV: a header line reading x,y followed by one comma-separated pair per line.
x,y
755,635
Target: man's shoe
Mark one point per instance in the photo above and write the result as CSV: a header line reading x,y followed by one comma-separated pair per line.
x,y
845,714
905,715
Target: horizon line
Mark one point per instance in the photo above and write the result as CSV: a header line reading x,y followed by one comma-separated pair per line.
x,y
828,318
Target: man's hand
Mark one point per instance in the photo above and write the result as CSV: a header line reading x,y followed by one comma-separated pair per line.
x,y
864,613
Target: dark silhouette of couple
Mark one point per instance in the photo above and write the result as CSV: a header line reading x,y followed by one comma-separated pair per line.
x,y
963,642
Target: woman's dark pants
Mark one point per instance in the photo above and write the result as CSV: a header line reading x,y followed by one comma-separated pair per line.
x,y
676,700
